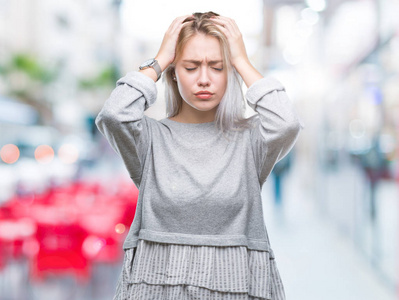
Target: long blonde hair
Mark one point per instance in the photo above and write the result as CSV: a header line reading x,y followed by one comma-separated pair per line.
x,y
230,111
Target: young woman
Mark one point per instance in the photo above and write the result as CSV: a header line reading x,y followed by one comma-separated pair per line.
x,y
199,231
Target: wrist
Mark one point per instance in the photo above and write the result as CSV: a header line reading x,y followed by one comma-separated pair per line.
x,y
241,63
163,63
247,71
150,73
152,64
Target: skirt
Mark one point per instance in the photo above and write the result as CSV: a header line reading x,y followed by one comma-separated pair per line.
x,y
162,271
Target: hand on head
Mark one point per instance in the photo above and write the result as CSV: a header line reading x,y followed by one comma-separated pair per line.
x,y
167,51
199,54
228,26
236,43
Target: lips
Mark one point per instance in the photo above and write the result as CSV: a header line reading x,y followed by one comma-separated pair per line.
x,y
203,94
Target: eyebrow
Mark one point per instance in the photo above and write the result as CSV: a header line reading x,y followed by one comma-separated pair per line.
x,y
198,62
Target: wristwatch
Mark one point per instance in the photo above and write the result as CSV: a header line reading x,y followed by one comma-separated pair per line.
x,y
152,63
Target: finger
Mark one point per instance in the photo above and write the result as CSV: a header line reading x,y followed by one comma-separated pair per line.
x,y
179,23
222,28
180,20
222,18
176,30
227,23
225,29
228,28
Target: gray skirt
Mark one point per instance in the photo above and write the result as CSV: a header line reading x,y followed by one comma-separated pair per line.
x,y
168,271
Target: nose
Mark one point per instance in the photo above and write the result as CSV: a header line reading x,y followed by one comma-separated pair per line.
x,y
203,79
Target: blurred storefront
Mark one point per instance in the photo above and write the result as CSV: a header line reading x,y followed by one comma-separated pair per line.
x,y
341,62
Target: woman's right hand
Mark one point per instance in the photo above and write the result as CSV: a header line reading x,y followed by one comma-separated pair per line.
x,y
167,51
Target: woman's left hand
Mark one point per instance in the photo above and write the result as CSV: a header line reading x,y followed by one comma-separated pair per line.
x,y
239,57
237,48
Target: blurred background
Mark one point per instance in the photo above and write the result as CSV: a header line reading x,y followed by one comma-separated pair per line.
x,y
66,202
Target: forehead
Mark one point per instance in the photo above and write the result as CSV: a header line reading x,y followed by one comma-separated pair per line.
x,y
201,47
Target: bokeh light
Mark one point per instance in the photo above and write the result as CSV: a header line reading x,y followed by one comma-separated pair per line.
x,y
68,153
317,5
44,154
311,16
357,128
120,228
92,245
9,153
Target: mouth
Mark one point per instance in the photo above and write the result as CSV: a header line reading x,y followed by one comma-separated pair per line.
x,y
204,94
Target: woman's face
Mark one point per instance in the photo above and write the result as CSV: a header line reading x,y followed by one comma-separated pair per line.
x,y
200,73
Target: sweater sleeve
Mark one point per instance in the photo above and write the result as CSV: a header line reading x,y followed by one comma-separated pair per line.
x,y
276,125
123,123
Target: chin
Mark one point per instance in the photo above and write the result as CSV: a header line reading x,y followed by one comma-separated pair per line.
x,y
204,107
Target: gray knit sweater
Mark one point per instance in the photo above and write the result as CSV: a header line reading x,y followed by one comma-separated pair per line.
x,y
197,187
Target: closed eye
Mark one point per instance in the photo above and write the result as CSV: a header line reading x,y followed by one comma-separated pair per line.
x,y
218,69
190,69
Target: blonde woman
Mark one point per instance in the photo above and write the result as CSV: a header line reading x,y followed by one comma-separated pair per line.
x,y
199,231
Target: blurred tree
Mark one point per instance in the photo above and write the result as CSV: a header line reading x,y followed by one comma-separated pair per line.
x,y
105,79
26,79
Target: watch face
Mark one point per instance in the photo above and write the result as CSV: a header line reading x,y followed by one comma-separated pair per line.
x,y
147,63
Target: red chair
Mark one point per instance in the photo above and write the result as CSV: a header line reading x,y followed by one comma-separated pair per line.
x,y
60,252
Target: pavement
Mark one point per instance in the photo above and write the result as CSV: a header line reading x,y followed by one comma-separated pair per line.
x,y
317,260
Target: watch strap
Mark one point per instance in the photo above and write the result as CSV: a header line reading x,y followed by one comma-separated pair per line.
x,y
153,63
157,69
